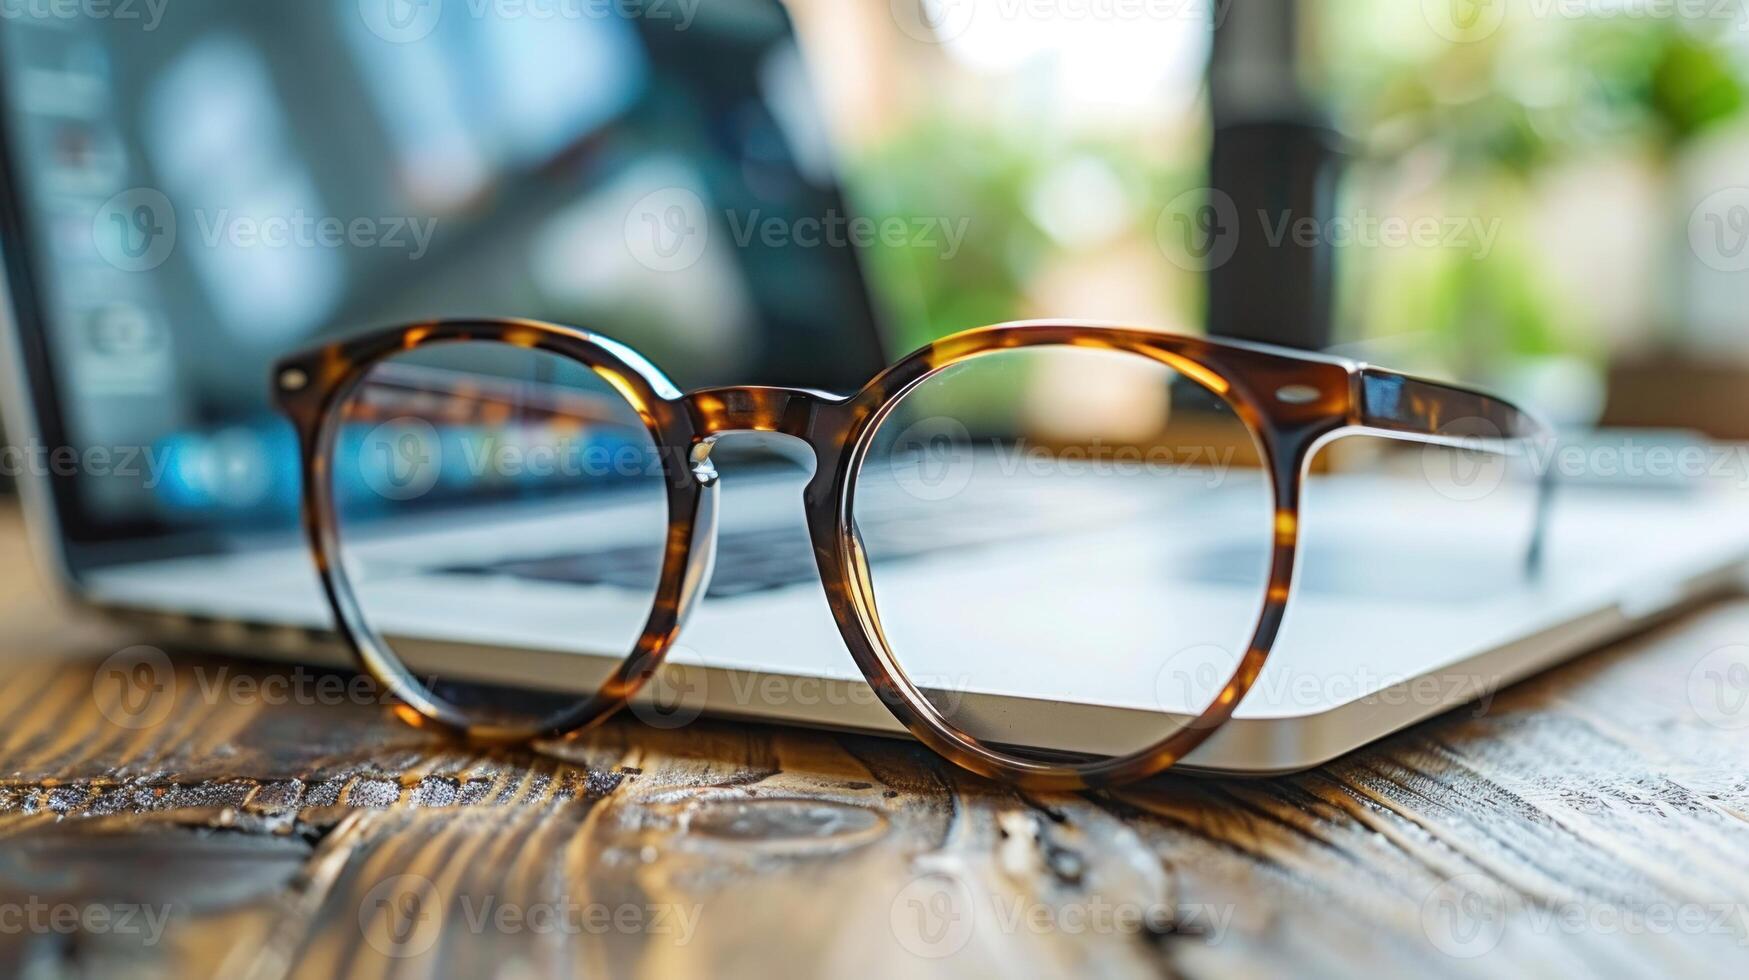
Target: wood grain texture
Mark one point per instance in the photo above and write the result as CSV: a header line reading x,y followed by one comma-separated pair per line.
x,y
246,820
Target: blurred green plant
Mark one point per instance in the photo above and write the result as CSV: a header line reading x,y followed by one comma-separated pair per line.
x,y
1490,117
1496,113
988,175
1534,90
956,170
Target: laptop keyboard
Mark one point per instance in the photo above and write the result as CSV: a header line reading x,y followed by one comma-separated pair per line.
x,y
747,562
761,560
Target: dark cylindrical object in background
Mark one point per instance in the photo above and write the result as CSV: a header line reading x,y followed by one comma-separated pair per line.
x,y
1275,162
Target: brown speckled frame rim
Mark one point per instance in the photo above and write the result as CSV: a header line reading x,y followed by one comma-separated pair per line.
x,y
1292,402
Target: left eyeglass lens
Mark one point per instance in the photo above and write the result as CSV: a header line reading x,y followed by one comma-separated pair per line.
x,y
1048,529
494,504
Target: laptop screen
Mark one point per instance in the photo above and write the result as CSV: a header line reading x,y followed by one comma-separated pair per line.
x,y
196,188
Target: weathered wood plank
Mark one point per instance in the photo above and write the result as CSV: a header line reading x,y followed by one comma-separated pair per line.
x,y
1591,819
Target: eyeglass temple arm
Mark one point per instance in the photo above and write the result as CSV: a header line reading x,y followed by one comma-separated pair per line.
x,y
1430,412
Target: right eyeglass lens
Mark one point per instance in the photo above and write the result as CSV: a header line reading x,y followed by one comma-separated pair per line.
x,y
494,504
1053,528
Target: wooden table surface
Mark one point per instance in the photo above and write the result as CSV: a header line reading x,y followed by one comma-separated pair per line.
x,y
244,820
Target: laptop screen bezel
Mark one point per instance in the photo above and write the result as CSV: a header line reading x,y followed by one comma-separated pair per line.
x,y
85,542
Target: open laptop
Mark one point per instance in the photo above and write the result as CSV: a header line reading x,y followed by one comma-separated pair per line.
x,y
486,166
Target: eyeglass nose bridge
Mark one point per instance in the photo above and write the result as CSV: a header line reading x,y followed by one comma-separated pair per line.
x,y
786,411
783,417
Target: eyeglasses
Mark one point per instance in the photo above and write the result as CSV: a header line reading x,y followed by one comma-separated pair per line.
x,y
1012,525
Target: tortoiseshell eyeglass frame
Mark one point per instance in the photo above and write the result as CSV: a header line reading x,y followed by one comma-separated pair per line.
x,y
1291,401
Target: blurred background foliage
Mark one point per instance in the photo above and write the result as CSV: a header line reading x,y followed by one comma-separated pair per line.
x,y
1581,136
